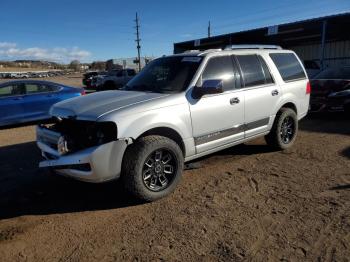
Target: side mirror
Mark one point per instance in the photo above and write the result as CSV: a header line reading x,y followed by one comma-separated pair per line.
x,y
211,86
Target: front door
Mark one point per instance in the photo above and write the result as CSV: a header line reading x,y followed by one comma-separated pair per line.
x,y
217,119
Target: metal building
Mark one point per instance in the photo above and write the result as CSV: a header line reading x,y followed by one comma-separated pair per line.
x,y
325,40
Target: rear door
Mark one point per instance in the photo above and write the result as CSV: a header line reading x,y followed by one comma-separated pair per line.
x,y
38,100
261,93
217,119
11,103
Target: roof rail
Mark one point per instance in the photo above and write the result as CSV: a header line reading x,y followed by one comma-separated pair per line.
x,y
231,47
190,51
210,50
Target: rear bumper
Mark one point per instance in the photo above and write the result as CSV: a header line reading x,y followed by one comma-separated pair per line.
x,y
96,164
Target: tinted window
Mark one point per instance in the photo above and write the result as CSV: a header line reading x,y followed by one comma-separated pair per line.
x,y
39,88
12,90
334,73
252,71
288,66
220,68
6,91
268,77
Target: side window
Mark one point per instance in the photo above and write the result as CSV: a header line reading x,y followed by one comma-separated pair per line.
x,y
253,73
288,66
6,91
13,90
268,77
120,73
220,68
38,88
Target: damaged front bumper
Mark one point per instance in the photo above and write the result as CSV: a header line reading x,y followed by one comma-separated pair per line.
x,y
95,164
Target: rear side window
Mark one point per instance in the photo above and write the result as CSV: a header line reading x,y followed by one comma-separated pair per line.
x,y
39,88
220,67
288,66
252,70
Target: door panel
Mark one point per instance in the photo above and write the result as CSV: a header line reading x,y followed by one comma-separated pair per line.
x,y
11,104
218,119
259,106
38,100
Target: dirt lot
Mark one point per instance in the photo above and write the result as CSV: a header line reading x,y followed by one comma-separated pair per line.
x,y
245,203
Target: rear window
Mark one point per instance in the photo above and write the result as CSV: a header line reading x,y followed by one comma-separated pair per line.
x,y
288,65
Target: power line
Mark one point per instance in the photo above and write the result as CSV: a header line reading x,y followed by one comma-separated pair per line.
x,y
138,42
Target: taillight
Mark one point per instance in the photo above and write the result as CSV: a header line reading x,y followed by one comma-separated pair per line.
x,y
308,88
83,92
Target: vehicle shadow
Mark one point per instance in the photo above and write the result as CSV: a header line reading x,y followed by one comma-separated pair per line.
x,y
341,187
27,190
332,123
346,152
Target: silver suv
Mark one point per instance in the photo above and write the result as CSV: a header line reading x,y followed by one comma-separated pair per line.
x,y
178,108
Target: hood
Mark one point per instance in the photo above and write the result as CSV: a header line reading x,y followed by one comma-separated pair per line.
x,y
93,106
324,87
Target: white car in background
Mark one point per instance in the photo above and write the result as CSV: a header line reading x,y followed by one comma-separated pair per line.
x,y
178,108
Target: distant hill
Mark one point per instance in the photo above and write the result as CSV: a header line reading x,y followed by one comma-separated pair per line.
x,y
31,64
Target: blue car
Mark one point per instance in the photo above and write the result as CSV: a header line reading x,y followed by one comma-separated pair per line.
x,y
26,101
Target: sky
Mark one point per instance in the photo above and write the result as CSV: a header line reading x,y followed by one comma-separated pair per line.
x,y
88,30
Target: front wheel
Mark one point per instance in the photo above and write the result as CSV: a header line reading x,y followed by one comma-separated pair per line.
x,y
284,130
152,167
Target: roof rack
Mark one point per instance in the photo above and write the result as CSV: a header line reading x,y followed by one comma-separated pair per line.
x,y
210,50
231,47
191,51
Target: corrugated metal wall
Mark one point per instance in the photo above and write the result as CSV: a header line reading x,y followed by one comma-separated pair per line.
x,y
336,53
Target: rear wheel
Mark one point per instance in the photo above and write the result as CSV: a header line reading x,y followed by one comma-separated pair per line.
x,y
152,167
284,130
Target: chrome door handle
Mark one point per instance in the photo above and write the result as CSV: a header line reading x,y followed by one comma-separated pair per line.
x,y
234,100
274,92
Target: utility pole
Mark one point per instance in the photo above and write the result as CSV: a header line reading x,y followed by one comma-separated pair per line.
x,y
138,41
209,30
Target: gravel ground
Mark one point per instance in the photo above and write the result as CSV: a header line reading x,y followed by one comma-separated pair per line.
x,y
245,203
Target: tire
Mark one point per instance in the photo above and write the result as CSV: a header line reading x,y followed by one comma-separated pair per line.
x,y
277,138
140,162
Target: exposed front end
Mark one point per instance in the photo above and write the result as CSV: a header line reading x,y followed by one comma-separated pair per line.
x,y
84,150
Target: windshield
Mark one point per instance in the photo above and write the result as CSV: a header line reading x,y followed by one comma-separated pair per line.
x,y
165,75
334,73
